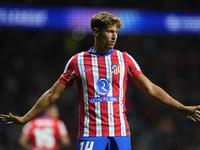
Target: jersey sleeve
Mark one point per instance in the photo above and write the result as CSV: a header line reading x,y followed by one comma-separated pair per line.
x,y
68,75
133,68
62,129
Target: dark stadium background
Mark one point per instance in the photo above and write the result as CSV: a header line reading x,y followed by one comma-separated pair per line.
x,y
31,61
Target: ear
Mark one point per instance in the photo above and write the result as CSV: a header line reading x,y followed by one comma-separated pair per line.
x,y
95,31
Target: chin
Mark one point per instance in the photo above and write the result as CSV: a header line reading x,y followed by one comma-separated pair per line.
x,y
111,47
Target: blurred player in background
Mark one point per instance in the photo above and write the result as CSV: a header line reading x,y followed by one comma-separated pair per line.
x,y
101,75
46,132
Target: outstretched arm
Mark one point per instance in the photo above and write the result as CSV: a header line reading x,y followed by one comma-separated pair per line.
x,y
48,98
159,95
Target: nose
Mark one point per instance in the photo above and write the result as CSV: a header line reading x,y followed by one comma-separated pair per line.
x,y
114,35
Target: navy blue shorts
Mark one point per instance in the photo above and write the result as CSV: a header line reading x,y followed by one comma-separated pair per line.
x,y
104,143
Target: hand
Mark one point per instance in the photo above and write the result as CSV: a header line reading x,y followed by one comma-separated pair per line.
x,y
192,113
12,119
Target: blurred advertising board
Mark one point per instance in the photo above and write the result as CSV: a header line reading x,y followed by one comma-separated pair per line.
x,y
67,19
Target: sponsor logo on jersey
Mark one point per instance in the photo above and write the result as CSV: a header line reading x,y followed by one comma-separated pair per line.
x,y
102,86
103,99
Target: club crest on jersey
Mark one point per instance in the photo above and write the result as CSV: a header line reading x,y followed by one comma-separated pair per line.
x,y
115,68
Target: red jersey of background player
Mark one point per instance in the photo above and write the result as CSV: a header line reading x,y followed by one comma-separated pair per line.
x,y
102,83
44,132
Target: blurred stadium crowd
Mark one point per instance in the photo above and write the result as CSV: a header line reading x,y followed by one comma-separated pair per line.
x,y
32,61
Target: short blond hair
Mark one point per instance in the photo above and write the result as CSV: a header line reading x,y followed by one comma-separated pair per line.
x,y
105,19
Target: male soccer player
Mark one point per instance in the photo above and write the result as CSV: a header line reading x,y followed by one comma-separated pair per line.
x,y
101,74
45,132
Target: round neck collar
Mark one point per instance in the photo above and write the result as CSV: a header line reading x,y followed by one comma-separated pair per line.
x,y
90,52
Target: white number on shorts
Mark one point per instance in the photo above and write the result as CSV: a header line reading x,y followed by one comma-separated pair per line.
x,y
44,137
87,144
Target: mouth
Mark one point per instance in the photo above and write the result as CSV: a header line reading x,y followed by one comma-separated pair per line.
x,y
112,42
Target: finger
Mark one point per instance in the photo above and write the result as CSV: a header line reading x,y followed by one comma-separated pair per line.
x,y
4,120
3,116
197,112
10,122
198,107
193,119
197,115
11,115
196,118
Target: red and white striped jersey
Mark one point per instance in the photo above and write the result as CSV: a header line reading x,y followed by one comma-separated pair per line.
x,y
101,82
44,132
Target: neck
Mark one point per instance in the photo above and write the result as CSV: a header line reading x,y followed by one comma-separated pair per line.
x,y
100,51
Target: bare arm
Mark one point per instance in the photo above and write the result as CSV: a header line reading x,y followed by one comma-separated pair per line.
x,y
48,98
159,95
24,142
65,142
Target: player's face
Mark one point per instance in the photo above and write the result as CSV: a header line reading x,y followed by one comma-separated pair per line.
x,y
53,112
107,37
